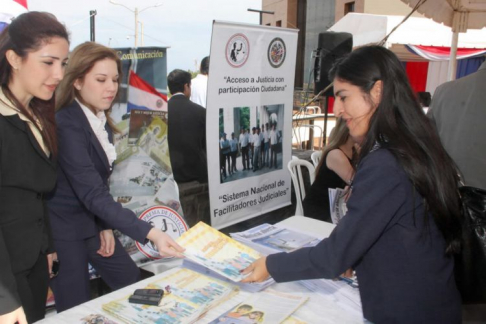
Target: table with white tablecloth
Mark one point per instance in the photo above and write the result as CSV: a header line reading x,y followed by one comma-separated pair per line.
x,y
318,309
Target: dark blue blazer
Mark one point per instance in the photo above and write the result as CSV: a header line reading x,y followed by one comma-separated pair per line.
x,y
403,273
81,204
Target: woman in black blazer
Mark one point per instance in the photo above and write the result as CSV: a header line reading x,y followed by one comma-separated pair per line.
x,y
82,211
33,53
403,221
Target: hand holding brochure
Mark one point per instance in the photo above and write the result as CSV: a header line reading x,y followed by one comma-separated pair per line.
x,y
219,253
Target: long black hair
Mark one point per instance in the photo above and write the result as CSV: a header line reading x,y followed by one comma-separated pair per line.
x,y
27,33
400,125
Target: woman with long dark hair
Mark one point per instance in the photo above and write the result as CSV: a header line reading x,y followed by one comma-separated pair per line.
x,y
403,221
33,53
335,170
82,210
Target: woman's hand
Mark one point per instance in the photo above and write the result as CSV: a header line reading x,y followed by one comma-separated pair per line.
x,y
165,244
258,271
17,315
107,246
50,258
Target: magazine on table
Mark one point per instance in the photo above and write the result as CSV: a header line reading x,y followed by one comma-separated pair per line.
x,y
207,248
187,296
269,239
268,306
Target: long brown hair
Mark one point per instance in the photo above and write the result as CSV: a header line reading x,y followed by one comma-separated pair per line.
x,y
81,61
27,33
339,136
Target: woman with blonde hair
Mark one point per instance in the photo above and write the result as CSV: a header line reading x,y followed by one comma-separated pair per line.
x,y
33,54
82,211
335,170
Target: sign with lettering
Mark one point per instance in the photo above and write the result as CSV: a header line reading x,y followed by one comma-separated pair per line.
x,y
249,120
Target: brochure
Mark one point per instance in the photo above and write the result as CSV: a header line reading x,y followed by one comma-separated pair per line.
x,y
187,296
268,306
219,253
337,203
269,239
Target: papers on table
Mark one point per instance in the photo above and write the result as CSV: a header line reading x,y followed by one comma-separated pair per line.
x,y
269,239
188,295
268,306
219,253
341,292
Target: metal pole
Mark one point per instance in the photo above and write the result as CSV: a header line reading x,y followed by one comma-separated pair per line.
x,y
92,14
136,26
141,33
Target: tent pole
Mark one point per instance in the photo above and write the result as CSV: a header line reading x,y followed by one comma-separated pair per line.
x,y
451,74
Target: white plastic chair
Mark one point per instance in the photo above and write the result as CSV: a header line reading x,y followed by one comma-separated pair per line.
x,y
294,167
316,157
297,135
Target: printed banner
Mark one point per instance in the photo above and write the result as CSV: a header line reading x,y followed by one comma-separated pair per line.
x,y
142,177
249,115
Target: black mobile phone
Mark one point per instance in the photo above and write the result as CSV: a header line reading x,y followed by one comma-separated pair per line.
x,y
145,300
55,268
149,292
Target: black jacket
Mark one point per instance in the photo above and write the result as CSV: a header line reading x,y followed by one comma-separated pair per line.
x,y
27,175
187,140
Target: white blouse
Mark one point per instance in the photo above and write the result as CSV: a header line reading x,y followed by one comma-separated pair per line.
x,y
97,123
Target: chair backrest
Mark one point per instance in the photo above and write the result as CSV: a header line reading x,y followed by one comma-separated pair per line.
x,y
316,157
295,170
297,134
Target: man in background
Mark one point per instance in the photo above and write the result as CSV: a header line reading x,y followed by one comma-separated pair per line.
x,y
200,84
458,110
186,131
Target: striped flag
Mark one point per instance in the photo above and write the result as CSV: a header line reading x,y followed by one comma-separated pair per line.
x,y
10,9
141,95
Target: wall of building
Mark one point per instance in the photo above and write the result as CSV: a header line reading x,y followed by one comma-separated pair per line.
x,y
377,7
320,16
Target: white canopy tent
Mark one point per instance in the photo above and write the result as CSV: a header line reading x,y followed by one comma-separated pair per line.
x,y
371,29
460,15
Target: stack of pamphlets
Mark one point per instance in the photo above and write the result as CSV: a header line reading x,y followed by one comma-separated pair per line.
x,y
343,292
269,239
268,306
187,296
211,252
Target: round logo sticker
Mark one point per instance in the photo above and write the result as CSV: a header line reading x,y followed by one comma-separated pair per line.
x,y
276,52
237,50
165,219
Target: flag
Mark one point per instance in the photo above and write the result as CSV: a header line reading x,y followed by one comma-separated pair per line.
x,y
10,9
141,95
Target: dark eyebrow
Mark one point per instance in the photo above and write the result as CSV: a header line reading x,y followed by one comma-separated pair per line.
x,y
102,74
52,57
339,92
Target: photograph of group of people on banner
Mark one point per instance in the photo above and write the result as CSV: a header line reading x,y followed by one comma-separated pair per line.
x,y
250,150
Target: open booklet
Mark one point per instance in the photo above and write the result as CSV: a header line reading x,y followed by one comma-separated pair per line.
x,y
187,296
211,252
268,306
269,239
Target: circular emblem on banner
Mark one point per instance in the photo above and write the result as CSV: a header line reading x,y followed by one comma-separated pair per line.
x,y
159,103
237,50
276,52
167,220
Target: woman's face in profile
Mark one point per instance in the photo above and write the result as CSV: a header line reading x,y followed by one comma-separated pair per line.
x,y
100,85
354,107
38,74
